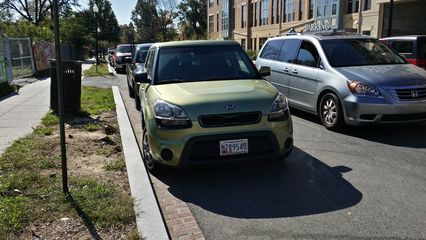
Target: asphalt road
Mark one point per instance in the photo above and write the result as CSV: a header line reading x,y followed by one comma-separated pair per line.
x,y
363,183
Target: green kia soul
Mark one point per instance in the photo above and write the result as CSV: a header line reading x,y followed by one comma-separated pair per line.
x,y
205,102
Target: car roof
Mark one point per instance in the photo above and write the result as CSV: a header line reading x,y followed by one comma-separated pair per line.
x,y
144,45
325,35
407,37
193,43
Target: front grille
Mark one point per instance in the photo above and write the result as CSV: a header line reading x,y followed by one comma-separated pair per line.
x,y
208,150
230,119
403,117
409,94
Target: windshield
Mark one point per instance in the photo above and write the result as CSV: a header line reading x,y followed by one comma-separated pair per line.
x,y
124,49
203,63
141,55
359,52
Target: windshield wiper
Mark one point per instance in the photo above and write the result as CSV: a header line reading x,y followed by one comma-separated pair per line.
x,y
171,81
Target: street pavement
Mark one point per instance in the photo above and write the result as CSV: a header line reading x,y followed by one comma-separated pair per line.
x,y
362,183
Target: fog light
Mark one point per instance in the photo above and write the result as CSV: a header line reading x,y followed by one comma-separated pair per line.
x,y
166,154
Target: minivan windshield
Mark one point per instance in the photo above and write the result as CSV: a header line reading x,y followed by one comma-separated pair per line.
x,y
203,63
359,52
124,49
141,55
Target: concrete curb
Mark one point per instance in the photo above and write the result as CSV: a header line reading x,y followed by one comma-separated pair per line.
x,y
110,70
149,221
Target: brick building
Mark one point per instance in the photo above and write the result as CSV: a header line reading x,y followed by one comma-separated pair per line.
x,y
251,22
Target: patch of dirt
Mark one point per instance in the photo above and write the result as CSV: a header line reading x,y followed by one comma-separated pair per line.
x,y
88,153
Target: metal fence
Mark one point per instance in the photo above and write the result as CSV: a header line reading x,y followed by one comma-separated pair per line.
x,y
3,76
21,57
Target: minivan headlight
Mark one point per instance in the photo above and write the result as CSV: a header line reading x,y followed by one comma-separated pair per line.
x,y
363,89
279,109
168,115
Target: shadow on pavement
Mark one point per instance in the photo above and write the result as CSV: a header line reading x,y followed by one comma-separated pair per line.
x,y
302,186
402,135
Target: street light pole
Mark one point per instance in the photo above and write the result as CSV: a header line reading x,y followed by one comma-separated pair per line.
x,y
96,10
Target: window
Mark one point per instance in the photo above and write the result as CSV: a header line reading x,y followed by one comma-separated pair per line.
x,y
308,55
270,51
300,10
211,3
233,18
311,9
254,43
225,15
217,2
288,50
150,62
272,11
403,46
243,43
278,11
211,23
244,16
217,22
255,13
264,12
367,5
333,9
353,5
290,10
261,42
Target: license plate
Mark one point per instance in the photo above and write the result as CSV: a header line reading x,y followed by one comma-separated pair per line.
x,y
233,147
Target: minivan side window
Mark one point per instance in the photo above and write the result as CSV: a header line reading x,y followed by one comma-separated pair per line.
x,y
149,62
270,51
288,50
308,55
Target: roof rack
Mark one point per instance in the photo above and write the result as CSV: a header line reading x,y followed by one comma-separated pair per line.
x,y
331,32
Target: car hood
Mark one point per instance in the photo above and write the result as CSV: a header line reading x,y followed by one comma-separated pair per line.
x,y
386,75
205,98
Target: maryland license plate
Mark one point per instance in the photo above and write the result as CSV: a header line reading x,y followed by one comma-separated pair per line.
x,y
233,147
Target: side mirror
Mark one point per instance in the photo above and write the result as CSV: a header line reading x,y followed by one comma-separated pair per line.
x,y
142,77
127,60
264,71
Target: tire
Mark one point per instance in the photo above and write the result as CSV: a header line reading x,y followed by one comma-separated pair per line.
x,y
330,112
151,165
137,102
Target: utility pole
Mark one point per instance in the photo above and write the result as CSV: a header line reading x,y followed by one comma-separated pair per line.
x,y
390,18
60,96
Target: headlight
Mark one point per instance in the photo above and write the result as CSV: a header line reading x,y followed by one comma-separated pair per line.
x,y
168,115
279,109
363,89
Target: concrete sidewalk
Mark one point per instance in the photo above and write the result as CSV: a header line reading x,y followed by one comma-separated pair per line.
x,y
21,112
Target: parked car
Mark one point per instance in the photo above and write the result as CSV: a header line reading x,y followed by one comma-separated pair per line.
x,y
413,48
122,51
111,52
205,102
345,78
135,66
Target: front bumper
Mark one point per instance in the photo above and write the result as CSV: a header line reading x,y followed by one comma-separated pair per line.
x,y
198,145
364,110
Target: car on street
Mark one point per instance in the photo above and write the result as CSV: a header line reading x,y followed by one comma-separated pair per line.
x,y
205,102
135,66
345,78
413,48
122,51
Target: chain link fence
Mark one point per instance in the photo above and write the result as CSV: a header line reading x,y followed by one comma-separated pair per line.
x,y
21,57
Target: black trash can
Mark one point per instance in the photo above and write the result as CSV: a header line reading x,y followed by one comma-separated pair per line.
x,y
71,75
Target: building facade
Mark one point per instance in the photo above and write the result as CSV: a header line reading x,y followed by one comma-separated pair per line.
x,y
252,22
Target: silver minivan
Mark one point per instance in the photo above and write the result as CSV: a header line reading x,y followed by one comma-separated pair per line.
x,y
345,78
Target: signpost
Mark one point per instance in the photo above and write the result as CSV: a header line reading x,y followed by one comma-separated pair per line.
x,y
60,85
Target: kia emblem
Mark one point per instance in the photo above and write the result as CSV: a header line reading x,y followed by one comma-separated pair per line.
x,y
230,107
414,93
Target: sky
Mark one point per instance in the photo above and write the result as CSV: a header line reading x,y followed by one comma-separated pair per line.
x,y
122,9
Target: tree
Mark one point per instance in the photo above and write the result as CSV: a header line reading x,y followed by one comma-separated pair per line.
x,y
193,18
107,21
127,32
167,14
35,11
145,18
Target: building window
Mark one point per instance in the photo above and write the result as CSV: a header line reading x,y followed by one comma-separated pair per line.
x,y
233,18
217,2
255,13
273,12
353,6
243,16
311,9
367,5
243,43
211,3
290,10
278,11
225,18
254,43
334,8
300,10
261,42
211,23
264,12
217,22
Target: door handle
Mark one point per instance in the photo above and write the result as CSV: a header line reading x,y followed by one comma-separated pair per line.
x,y
285,69
295,71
